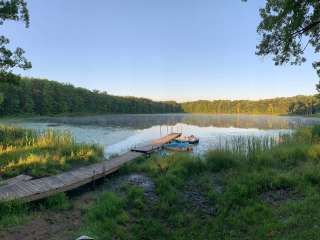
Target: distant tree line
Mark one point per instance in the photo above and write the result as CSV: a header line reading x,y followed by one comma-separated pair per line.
x,y
20,96
43,97
300,105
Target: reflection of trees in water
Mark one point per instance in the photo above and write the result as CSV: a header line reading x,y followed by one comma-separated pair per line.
x,y
136,121
250,121
245,121
142,121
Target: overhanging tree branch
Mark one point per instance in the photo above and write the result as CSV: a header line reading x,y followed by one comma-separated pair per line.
x,y
306,29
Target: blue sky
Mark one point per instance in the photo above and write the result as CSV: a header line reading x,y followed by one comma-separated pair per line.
x,y
164,50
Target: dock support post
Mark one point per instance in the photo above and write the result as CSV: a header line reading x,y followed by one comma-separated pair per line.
x,y
94,179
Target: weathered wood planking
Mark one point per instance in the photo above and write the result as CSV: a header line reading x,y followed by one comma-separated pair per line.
x,y
16,179
35,189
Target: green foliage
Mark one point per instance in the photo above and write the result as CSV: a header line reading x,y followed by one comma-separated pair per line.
x,y
272,193
300,105
59,201
42,154
12,213
287,28
219,160
14,136
107,218
14,10
43,97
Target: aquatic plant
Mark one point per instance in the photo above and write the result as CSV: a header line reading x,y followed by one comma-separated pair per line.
x,y
250,189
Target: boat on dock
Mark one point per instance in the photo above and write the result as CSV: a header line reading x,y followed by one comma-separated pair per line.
x,y
179,147
188,139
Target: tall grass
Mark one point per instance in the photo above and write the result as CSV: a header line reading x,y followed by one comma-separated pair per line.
x,y
42,154
249,145
260,189
15,136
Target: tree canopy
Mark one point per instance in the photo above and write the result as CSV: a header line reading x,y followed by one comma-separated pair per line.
x,y
43,97
287,28
12,10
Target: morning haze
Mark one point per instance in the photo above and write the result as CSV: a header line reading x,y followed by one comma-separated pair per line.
x,y
181,49
154,120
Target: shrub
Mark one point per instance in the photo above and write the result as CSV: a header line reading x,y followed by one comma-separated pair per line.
x,y
303,135
316,133
59,201
12,213
283,156
219,160
42,154
106,218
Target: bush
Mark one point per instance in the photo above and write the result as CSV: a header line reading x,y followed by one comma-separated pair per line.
x,y
42,154
282,156
303,135
219,160
106,218
12,213
316,133
59,201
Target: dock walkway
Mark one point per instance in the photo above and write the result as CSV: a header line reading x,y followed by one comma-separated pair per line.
x,y
34,189
156,144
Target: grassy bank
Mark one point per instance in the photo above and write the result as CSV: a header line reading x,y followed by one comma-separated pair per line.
x,y
41,154
37,154
262,191
269,193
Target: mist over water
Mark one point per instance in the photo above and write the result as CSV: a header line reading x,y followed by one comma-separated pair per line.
x,y
118,133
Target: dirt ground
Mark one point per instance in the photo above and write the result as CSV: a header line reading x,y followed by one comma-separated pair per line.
x,y
52,225
62,225
65,225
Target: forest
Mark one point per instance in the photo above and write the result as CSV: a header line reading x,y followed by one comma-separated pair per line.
x,y
30,96
298,105
43,97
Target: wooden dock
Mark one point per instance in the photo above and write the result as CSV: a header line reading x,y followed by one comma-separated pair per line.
x,y
156,144
34,189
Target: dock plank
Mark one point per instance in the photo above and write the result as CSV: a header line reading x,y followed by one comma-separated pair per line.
x,y
156,144
35,189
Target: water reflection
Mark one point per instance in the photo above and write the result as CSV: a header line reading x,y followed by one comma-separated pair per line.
x,y
143,121
118,133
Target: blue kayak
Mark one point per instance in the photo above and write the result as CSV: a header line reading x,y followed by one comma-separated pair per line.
x,y
178,146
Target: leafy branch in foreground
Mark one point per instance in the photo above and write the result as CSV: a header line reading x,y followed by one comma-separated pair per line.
x,y
287,28
14,10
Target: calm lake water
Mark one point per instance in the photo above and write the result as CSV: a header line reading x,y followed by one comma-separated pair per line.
x,y
118,133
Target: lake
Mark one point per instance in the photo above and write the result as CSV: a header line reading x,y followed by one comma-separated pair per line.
x,y
118,133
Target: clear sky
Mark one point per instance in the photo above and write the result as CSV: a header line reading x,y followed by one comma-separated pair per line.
x,y
161,49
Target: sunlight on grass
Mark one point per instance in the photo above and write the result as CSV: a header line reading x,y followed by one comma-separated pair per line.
x,y
248,189
42,154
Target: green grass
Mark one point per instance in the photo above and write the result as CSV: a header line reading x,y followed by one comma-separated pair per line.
x,y
39,154
248,189
42,154
57,202
269,191
16,213
12,213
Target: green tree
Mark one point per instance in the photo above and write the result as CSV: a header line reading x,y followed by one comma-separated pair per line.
x,y
12,10
287,28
